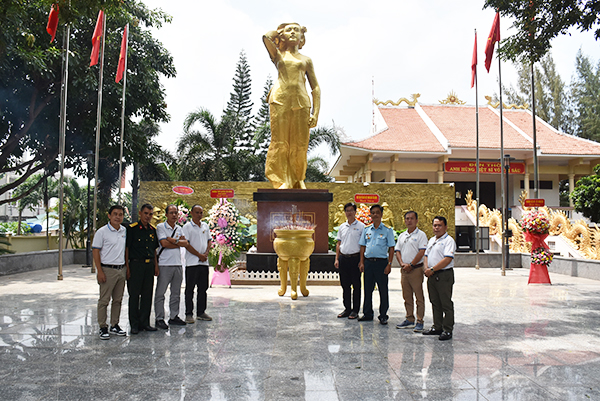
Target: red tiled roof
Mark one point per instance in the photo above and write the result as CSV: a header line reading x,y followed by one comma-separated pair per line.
x,y
550,141
407,132
458,124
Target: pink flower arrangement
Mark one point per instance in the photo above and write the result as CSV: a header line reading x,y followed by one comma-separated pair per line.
x,y
541,256
363,214
535,222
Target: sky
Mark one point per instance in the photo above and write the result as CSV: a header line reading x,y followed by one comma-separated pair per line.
x,y
404,47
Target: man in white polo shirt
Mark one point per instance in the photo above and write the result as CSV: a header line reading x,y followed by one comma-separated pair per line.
x,y
108,249
196,265
171,238
439,263
410,249
347,257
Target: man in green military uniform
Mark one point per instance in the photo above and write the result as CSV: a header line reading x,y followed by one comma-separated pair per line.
x,y
140,258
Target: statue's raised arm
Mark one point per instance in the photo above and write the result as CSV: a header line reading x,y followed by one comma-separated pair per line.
x,y
290,107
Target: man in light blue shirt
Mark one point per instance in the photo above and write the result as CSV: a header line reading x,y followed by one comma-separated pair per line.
x,y
376,256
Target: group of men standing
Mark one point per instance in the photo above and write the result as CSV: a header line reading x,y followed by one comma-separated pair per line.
x,y
139,252
370,250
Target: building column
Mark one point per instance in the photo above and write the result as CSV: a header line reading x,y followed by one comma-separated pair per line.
x,y
393,161
440,172
526,183
571,186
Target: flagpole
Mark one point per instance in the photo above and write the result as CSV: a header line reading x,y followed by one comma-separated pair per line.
x,y
61,145
502,183
477,234
98,125
535,158
123,113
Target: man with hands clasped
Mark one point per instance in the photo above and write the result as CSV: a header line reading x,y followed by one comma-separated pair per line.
x,y
439,264
410,250
376,256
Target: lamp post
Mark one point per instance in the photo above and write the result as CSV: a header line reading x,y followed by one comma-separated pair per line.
x,y
88,243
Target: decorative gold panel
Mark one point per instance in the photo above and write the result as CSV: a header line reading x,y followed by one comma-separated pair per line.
x,y
428,200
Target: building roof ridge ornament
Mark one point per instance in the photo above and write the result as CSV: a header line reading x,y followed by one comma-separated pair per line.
x,y
452,99
524,106
410,103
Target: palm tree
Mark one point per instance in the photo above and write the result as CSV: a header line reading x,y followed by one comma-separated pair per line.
x,y
74,212
206,155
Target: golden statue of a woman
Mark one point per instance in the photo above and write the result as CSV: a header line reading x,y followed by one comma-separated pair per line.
x,y
291,117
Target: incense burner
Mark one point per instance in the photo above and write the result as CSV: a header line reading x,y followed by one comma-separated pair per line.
x,y
293,248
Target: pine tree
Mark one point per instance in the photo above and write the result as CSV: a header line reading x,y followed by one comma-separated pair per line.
x,y
262,136
240,104
586,98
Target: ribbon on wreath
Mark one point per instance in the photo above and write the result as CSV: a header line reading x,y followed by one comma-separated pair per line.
x,y
538,273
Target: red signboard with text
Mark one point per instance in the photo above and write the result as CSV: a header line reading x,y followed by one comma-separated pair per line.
x,y
222,193
484,167
366,198
534,203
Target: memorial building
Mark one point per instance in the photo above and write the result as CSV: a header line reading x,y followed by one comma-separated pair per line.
x,y
410,142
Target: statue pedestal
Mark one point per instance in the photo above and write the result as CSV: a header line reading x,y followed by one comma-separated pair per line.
x,y
274,207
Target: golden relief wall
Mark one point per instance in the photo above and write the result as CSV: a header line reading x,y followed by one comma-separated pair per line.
x,y
428,200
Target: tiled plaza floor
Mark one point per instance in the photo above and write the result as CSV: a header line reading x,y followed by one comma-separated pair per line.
x,y
511,342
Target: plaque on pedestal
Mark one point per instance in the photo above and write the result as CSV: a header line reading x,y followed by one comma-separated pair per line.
x,y
274,207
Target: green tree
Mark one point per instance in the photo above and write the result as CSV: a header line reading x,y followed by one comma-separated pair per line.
x,y
31,199
316,170
586,195
240,104
586,98
204,152
74,212
30,75
537,22
551,96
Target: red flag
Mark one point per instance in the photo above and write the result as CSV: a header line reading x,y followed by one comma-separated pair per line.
x,y
52,25
491,42
96,39
474,62
122,56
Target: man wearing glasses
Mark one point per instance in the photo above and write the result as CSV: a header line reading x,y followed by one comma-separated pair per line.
x,y
410,250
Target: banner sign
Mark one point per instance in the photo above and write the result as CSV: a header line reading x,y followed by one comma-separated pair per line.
x,y
366,198
181,190
484,167
534,203
222,193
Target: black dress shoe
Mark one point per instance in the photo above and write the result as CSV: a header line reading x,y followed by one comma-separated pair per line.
x,y
364,318
345,313
445,336
432,332
383,320
176,321
150,328
161,324
134,330
353,315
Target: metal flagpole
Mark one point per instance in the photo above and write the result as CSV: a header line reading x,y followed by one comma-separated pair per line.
x,y
502,183
123,112
61,145
477,233
98,122
535,158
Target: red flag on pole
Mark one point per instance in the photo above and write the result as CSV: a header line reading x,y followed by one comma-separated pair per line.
x,y
96,39
122,56
474,62
52,25
491,42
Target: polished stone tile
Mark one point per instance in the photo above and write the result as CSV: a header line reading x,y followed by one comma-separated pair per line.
x,y
511,342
